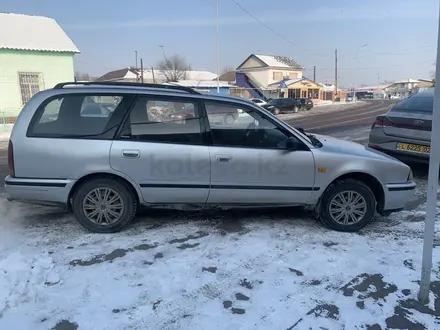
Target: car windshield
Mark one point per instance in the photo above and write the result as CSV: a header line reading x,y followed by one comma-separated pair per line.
x,y
309,137
416,103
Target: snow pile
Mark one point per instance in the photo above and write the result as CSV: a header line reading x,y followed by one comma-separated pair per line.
x,y
176,270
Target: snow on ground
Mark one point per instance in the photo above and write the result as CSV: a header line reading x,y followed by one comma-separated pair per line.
x,y
229,270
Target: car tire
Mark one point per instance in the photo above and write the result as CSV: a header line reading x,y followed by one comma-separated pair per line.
x,y
276,111
331,200
229,119
295,109
309,108
86,197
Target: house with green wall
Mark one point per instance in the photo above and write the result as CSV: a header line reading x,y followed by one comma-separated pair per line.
x,y
35,54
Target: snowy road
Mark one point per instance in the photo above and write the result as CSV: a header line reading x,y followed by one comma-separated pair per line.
x,y
277,269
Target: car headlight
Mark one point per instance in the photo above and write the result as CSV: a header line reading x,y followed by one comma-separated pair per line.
x,y
410,175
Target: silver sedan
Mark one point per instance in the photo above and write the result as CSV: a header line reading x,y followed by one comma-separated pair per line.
x,y
405,131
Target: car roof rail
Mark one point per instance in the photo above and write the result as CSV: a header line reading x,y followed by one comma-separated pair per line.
x,y
127,84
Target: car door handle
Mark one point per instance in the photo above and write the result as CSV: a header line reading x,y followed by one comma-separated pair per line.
x,y
223,158
131,153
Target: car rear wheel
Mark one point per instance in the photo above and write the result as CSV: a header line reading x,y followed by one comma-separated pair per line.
x,y
347,206
104,205
229,119
276,111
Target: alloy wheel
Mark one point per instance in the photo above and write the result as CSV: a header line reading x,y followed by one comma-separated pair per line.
x,y
103,206
348,208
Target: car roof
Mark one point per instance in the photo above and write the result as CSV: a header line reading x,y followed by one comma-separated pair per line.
x,y
429,92
160,90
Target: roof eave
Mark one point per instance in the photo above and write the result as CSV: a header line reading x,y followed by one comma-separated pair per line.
x,y
75,51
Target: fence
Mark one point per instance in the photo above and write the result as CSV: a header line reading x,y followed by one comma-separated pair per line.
x,y
7,119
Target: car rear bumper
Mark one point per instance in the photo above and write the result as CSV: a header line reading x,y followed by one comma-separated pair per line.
x,y
38,191
408,156
398,194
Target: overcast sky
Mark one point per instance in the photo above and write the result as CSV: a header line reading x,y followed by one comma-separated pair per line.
x,y
400,35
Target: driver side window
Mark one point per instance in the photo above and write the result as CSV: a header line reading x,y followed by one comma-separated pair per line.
x,y
235,126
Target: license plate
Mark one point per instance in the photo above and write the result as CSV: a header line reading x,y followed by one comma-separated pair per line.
x,y
413,147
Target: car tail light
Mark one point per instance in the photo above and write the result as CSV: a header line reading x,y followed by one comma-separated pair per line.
x,y
379,123
388,123
11,159
384,123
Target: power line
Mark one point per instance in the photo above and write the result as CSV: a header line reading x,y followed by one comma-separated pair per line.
x,y
374,67
396,54
272,30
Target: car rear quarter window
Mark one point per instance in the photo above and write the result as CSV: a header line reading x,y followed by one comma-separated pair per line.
x,y
164,121
75,115
415,103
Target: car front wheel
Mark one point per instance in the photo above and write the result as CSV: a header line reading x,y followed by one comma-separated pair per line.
x,y
276,111
347,206
104,205
295,109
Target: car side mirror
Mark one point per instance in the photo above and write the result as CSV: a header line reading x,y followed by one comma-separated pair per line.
x,y
292,143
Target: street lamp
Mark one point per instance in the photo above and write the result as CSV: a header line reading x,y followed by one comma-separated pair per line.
x,y
357,67
431,199
218,46
163,51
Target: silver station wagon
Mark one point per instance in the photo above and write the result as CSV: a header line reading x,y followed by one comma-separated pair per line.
x,y
103,150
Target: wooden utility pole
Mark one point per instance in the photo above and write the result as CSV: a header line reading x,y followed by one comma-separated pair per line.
x,y
152,72
142,71
314,73
336,70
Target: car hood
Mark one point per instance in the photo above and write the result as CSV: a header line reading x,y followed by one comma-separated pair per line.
x,y
338,146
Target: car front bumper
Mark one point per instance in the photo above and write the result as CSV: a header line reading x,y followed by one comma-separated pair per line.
x,y
398,194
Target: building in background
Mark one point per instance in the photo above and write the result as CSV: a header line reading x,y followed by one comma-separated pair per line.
x,y
205,86
371,92
257,72
328,91
299,88
152,76
35,54
407,87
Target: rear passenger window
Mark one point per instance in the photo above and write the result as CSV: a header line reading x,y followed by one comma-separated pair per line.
x,y
74,115
153,120
415,103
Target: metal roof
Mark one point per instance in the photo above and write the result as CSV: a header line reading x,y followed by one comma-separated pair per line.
x,y
201,83
274,61
279,61
38,33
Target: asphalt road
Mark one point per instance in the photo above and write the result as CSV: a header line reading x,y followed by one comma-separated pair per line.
x,y
352,123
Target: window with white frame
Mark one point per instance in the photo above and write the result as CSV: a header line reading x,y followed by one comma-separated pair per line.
x,y
277,75
29,85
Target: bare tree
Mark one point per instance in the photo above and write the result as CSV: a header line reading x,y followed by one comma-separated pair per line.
x,y
174,68
79,76
226,69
